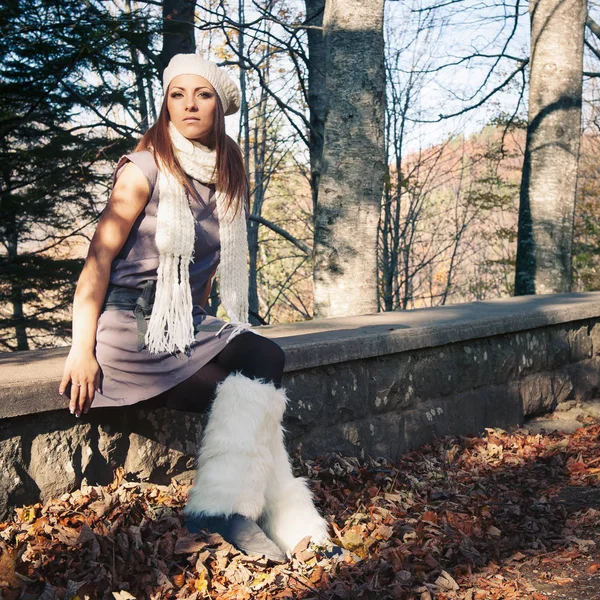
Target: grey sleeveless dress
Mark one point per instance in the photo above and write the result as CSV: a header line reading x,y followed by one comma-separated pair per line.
x,y
129,375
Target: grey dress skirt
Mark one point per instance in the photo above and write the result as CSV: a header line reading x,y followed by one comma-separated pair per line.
x,y
130,373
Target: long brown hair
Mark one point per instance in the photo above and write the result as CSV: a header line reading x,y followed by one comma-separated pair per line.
x,y
231,174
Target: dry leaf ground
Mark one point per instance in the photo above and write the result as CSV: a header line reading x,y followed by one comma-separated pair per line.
x,y
504,516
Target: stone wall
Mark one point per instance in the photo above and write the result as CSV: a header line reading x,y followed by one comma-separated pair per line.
x,y
377,384
389,404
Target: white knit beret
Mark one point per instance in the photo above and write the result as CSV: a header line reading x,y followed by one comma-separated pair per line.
x,y
192,64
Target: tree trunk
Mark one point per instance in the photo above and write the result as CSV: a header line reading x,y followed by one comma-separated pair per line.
x,y
549,180
178,29
317,93
139,81
346,219
244,130
16,289
259,180
16,297
244,137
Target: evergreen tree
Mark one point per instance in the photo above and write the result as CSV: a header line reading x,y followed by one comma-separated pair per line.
x,y
63,64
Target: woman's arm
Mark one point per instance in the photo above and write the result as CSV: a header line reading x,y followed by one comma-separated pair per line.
x,y
128,199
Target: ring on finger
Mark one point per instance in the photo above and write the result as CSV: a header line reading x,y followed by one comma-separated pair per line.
x,y
77,384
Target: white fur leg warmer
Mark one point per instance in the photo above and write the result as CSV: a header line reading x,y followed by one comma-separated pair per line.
x,y
289,514
234,460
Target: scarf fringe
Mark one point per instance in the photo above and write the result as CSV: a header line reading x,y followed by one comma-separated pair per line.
x,y
171,324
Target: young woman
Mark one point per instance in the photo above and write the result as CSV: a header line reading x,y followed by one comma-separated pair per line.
x,y
177,213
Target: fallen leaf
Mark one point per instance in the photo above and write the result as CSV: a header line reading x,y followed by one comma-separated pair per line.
x,y
593,568
187,543
302,545
384,532
492,530
446,582
201,583
430,517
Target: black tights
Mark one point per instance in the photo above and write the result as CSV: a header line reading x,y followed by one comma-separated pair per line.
x,y
252,355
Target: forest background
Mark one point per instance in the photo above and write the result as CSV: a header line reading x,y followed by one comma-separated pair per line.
x,y
79,83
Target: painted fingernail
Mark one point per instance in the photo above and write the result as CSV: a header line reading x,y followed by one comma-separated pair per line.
x,y
60,393
85,411
71,410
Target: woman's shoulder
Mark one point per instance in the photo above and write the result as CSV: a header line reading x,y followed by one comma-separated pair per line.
x,y
144,160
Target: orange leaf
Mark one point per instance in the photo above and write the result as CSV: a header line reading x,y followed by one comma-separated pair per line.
x,y
593,568
430,517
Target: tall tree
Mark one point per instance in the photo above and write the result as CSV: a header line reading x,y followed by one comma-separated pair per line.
x,y
351,184
317,92
51,148
549,181
178,29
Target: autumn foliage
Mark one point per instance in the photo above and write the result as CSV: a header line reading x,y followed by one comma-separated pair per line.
x,y
503,516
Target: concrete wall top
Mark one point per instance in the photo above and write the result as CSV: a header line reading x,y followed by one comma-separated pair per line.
x,y
29,380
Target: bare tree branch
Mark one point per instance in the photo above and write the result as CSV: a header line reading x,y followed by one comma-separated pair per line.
x,y
499,87
282,233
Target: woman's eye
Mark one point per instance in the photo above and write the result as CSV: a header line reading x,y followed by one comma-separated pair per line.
x,y
176,95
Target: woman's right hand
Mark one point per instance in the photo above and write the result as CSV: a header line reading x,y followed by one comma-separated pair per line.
x,y
82,372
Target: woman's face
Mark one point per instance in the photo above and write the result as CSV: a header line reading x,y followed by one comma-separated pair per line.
x,y
191,101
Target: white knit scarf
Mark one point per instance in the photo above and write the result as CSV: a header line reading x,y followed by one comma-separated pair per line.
x,y
171,325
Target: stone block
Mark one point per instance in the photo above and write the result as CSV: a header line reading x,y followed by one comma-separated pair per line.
x,y
595,337
562,386
558,353
162,443
585,376
542,392
531,351
59,458
112,445
391,385
537,394
149,460
311,396
504,360
580,343
11,463
444,371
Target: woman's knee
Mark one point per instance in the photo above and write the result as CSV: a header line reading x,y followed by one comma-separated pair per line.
x,y
273,351
255,356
